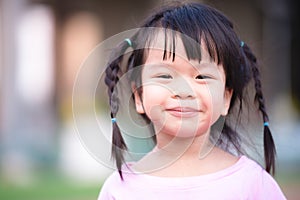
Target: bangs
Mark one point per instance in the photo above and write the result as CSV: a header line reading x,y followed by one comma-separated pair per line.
x,y
167,39
195,26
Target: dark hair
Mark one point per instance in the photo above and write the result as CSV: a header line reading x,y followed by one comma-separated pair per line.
x,y
205,24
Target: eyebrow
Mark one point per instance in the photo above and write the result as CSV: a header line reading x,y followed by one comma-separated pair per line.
x,y
157,64
203,65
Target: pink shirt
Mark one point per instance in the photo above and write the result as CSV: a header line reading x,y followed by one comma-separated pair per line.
x,y
243,180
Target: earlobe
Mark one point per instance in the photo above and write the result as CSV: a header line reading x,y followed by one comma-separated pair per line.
x,y
137,99
227,99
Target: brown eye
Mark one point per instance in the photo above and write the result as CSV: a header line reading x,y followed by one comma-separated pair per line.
x,y
165,76
202,77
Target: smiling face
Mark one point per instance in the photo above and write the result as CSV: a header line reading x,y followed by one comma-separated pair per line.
x,y
182,98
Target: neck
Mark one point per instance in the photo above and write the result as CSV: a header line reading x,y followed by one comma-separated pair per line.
x,y
193,147
172,150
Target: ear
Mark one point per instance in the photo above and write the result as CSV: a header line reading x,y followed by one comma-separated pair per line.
x,y
227,99
138,101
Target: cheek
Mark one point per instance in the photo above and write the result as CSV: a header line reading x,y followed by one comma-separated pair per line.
x,y
206,97
210,99
153,98
216,103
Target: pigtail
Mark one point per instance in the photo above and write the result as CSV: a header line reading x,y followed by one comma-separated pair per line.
x,y
117,148
111,79
269,146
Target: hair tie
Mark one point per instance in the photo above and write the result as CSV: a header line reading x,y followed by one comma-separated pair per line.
x,y
266,123
129,42
113,120
242,43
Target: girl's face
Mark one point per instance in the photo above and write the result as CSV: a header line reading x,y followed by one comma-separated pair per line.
x,y
182,98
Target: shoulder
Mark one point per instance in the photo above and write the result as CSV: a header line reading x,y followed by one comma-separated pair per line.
x,y
269,187
115,188
114,180
260,183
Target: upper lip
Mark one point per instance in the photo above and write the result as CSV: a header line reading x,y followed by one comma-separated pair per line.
x,y
183,109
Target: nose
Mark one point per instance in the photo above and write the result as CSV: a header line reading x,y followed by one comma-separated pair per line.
x,y
183,90
183,95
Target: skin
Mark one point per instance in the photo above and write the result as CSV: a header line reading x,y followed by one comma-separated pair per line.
x,y
183,99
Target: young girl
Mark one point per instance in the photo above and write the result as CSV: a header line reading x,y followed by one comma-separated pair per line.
x,y
187,70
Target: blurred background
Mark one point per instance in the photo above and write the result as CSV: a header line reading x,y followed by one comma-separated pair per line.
x,y
42,46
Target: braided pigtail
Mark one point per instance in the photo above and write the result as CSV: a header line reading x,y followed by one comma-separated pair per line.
x,y
113,72
269,146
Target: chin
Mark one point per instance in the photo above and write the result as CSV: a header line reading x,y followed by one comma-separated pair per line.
x,y
184,131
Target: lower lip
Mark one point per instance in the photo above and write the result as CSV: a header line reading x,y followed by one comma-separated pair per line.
x,y
180,114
